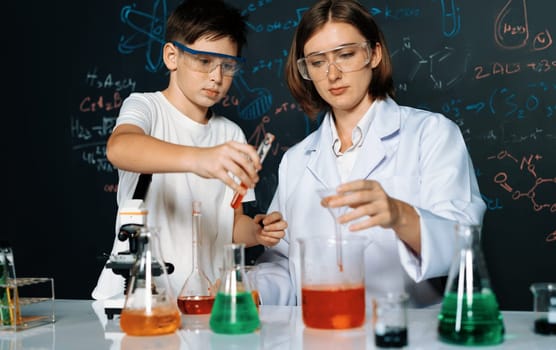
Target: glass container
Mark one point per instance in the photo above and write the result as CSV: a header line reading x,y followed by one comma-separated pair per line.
x,y
234,311
469,314
333,298
196,296
150,307
544,300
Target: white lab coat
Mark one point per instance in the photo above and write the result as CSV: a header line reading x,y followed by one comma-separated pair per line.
x,y
418,157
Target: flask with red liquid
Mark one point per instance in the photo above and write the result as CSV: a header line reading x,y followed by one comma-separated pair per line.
x,y
150,308
196,296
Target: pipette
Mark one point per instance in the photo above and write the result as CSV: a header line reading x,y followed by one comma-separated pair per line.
x,y
262,151
335,212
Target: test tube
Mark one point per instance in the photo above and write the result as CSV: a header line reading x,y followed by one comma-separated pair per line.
x,y
262,151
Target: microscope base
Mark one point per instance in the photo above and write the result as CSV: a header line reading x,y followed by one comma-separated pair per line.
x,y
113,307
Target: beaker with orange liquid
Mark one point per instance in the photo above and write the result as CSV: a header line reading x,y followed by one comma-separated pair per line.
x,y
333,298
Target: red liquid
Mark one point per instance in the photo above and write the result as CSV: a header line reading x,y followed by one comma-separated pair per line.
x,y
236,201
163,320
196,305
333,307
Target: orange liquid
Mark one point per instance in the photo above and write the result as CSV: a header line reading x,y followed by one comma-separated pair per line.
x,y
255,295
196,305
162,320
333,307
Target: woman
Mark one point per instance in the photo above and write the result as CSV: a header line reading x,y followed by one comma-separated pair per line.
x,y
404,172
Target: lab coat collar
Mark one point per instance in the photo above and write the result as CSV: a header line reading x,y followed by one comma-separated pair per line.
x,y
386,124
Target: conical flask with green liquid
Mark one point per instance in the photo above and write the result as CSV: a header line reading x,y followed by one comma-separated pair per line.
x,y
469,314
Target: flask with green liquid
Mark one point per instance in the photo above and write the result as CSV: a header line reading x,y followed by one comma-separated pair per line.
x,y
470,314
234,311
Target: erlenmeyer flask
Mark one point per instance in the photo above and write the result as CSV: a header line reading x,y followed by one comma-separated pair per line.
x,y
469,313
234,311
196,295
150,306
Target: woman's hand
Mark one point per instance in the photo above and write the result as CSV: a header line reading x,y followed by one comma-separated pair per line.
x,y
372,206
370,203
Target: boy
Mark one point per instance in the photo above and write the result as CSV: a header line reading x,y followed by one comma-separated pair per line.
x,y
192,153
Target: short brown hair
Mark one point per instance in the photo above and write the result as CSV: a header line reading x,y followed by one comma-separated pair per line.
x,y
214,19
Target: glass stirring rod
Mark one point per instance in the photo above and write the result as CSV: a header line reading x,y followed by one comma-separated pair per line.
x,y
262,151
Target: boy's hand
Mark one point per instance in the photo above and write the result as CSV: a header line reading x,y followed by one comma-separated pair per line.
x,y
232,157
272,228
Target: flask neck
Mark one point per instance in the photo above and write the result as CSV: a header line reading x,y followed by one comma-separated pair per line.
x,y
234,256
196,243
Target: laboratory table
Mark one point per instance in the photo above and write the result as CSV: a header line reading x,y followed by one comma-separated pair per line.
x,y
82,324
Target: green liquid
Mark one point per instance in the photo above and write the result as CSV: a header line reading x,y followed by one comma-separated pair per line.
x,y
4,304
234,314
481,321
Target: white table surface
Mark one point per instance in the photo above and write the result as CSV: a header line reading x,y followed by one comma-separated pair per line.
x,y
82,324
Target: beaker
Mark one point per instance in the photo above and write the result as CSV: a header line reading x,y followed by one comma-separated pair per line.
x,y
544,303
469,314
390,320
196,296
234,311
150,307
333,298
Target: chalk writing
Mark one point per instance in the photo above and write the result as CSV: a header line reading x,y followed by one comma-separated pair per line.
x,y
446,66
254,6
527,164
148,32
511,28
93,79
395,14
285,25
498,69
253,102
451,19
276,64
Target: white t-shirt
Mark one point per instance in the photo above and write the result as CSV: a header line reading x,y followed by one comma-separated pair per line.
x,y
170,195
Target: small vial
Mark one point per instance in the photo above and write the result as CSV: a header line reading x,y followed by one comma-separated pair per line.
x,y
262,151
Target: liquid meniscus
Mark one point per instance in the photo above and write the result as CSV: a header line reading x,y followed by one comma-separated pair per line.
x,y
480,322
333,307
196,305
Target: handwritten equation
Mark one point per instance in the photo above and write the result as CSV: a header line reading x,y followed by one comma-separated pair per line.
x,y
539,192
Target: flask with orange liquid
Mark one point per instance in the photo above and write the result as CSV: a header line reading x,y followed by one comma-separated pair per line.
x,y
150,306
196,296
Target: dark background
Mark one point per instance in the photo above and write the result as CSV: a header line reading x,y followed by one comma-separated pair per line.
x,y
488,65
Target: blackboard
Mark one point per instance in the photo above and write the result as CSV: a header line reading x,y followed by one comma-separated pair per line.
x,y
488,65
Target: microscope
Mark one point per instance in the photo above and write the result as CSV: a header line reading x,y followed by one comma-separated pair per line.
x,y
133,217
